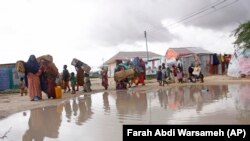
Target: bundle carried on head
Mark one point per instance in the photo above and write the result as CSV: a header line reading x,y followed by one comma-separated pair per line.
x,y
20,66
79,64
138,64
47,57
122,74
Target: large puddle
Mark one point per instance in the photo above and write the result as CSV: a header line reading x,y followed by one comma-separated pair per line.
x,y
100,117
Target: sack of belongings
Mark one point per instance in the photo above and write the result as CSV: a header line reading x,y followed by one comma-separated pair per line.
x,y
77,63
120,75
138,65
20,66
47,57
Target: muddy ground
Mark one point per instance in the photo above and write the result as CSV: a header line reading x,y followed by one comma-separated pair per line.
x,y
14,102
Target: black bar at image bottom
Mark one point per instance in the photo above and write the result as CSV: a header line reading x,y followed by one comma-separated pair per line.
x,y
163,132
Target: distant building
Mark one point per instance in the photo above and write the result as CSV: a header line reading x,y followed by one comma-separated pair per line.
x,y
153,60
183,51
9,77
188,55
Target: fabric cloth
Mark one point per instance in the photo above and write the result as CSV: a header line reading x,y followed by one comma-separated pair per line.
x,y
215,59
32,65
104,79
244,65
179,75
141,79
48,78
197,71
159,75
80,76
66,75
73,81
34,88
51,87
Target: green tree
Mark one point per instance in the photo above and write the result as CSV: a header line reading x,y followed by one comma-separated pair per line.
x,y
242,35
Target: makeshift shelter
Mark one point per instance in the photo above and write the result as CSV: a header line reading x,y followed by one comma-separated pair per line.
x,y
189,55
240,63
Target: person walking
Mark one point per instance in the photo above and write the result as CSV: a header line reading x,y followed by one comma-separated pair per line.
x,y
159,75
66,77
73,82
79,77
104,74
32,73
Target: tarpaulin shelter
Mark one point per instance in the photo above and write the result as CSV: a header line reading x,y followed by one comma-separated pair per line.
x,y
240,63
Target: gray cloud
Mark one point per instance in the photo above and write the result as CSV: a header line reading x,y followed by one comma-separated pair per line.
x,y
228,14
120,21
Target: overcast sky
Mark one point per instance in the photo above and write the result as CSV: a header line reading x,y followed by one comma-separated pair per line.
x,y
95,30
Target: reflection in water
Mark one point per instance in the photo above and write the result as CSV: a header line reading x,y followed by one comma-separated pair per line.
x,y
175,98
43,123
85,111
74,107
223,104
242,101
80,108
132,103
184,97
198,100
106,105
68,110
163,98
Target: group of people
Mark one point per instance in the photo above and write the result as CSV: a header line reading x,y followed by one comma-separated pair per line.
x,y
166,73
81,78
42,75
195,73
163,74
129,73
39,75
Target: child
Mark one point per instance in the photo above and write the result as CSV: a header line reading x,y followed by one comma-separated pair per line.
x,y
164,74
87,83
22,87
65,78
73,82
159,75
179,75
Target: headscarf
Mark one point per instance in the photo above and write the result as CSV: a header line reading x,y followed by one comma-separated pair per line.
x,y
32,65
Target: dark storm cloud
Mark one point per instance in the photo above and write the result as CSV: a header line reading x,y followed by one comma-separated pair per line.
x,y
124,21
229,13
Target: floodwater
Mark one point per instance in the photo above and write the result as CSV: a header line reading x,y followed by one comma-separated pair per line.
x,y
99,117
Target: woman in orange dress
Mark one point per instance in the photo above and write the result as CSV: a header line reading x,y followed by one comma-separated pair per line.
x,y
32,73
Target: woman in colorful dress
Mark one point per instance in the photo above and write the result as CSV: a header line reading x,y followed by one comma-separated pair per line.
x,y
104,74
79,77
50,72
32,73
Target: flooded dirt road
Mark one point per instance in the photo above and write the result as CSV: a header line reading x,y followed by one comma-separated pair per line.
x,y
100,116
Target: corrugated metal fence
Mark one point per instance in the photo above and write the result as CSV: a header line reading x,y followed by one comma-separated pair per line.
x,y
9,78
